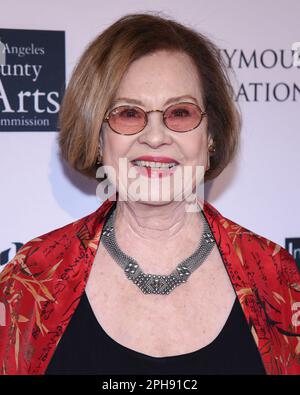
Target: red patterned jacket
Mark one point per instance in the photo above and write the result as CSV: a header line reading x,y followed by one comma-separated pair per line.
x,y
41,286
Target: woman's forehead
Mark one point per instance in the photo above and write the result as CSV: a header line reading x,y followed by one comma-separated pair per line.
x,y
161,75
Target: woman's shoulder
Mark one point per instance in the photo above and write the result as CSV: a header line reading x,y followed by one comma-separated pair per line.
x,y
253,243
239,234
47,250
256,253
42,245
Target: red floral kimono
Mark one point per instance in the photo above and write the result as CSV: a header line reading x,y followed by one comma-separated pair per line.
x,y
41,286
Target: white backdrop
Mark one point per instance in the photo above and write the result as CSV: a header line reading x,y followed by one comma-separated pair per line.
x,y
260,189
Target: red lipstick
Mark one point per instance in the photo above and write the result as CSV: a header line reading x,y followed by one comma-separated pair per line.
x,y
162,159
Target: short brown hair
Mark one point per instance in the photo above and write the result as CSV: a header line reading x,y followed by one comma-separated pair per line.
x,y
96,78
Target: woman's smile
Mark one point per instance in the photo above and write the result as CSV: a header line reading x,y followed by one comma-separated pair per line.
x,y
154,169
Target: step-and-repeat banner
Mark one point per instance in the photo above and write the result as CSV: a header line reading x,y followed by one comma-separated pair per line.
x,y
41,43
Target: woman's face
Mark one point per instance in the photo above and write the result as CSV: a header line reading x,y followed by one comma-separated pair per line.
x,y
152,80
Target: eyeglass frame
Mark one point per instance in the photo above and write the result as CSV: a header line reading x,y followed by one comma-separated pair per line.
x,y
202,115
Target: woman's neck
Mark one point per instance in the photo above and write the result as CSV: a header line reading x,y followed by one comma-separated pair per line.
x,y
156,222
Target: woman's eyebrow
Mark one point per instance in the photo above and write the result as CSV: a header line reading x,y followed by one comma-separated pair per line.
x,y
140,103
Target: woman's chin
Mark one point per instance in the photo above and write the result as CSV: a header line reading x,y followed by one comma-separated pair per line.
x,y
151,200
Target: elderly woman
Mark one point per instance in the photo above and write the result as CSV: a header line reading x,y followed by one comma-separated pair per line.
x,y
148,284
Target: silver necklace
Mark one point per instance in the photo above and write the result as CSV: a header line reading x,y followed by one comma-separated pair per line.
x,y
153,283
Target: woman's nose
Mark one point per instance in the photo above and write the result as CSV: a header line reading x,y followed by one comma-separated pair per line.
x,y
155,132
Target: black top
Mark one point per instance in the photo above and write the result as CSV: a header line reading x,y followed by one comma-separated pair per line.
x,y
85,348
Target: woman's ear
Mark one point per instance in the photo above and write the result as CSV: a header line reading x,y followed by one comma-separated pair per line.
x,y
210,151
211,146
210,141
